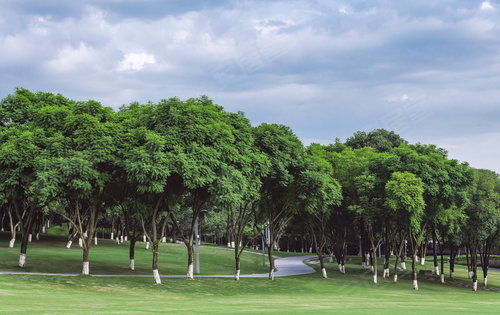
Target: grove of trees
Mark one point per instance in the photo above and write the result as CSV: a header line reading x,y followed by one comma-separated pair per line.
x,y
155,171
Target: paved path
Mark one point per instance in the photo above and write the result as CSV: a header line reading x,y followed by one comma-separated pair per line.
x,y
289,266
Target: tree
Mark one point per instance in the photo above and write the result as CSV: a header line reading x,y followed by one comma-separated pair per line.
x,y
405,196
379,139
481,229
278,202
318,193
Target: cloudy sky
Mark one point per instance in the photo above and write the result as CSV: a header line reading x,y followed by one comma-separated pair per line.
x,y
429,70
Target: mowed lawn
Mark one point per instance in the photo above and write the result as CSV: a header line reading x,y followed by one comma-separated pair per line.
x,y
352,293
50,254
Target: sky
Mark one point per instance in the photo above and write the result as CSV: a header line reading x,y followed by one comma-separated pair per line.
x,y
428,70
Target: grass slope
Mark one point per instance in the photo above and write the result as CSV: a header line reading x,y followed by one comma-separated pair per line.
x,y
352,293
51,255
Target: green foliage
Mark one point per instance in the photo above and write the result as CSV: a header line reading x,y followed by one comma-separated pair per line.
x,y
405,195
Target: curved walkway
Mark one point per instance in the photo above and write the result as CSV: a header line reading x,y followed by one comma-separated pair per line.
x,y
289,266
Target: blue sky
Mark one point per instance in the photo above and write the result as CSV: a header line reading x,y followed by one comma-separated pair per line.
x,y
429,70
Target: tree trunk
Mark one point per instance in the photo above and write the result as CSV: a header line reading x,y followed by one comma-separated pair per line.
x,y
132,252
434,253
469,266
322,264
473,252
237,260
442,262
452,261
190,249
374,264
386,259
271,261
85,269
156,274
26,232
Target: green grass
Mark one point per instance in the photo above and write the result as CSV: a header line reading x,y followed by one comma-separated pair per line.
x,y
50,254
352,293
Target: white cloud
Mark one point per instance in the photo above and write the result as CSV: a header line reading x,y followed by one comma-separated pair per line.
x,y
399,98
486,5
70,59
136,61
344,10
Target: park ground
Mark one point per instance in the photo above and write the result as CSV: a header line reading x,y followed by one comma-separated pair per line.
x,y
352,293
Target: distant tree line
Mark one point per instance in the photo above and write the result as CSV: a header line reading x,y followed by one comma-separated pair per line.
x,y
152,171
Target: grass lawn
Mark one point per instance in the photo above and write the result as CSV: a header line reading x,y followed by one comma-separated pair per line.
x,y
50,254
352,293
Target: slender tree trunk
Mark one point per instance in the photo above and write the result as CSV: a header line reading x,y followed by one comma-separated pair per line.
x,y
237,261
414,249
26,232
434,253
442,262
469,269
133,240
398,254
271,261
86,267
156,274
452,261
473,252
190,249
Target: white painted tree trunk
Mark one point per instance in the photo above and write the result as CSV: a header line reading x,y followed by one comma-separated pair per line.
x,y
485,281
375,278
415,284
68,245
43,229
436,270
11,243
37,236
48,224
237,275
323,271
228,244
474,286
343,269
442,278
85,235
471,274
22,260
85,270
95,240
144,238
121,239
117,240
395,278
30,237
422,261
156,276
340,267
112,236
403,265
80,242
126,238
386,273
271,275
147,245
190,275
164,239
232,244
132,264
371,268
